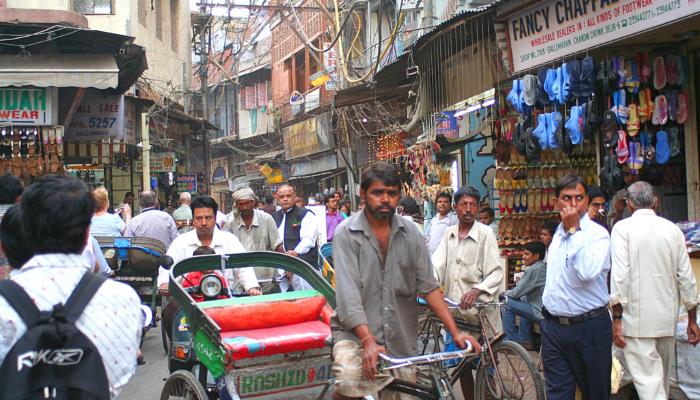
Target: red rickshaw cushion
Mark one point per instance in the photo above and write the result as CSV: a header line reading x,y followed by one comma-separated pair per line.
x,y
276,340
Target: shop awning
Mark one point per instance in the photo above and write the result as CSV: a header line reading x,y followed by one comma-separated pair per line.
x,y
98,71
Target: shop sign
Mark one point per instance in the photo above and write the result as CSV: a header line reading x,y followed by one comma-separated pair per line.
x,y
187,183
324,163
26,106
330,63
275,176
553,29
237,183
446,124
160,162
310,136
252,172
97,117
129,122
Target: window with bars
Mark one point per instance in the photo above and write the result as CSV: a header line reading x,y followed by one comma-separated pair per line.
x,y
159,19
142,12
93,6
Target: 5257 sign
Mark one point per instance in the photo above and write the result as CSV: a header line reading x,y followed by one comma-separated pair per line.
x,y
99,122
98,117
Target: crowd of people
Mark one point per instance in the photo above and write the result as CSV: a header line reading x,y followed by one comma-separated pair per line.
x,y
587,282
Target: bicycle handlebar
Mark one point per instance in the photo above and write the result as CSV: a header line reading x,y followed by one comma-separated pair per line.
x,y
425,359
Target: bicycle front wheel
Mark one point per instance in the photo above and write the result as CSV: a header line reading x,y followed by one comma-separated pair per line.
x,y
183,385
511,375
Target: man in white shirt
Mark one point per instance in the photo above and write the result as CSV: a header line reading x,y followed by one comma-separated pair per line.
x,y
298,229
445,218
576,331
56,214
205,233
651,276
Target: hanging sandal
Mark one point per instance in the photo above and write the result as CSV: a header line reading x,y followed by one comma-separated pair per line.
x,y
682,114
659,73
633,121
622,150
663,151
660,115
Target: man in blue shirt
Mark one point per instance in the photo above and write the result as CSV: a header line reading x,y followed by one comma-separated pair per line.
x,y
577,330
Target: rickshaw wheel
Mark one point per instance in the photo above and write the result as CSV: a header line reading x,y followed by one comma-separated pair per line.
x,y
164,338
183,385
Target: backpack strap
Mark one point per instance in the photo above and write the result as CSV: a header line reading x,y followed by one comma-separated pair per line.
x,y
81,296
20,301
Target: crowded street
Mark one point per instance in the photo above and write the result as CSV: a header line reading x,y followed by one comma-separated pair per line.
x,y
345,199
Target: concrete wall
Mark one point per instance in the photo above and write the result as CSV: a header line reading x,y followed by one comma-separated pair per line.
x,y
164,62
40,4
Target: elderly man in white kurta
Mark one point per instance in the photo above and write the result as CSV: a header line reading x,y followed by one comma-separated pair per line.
x,y
650,277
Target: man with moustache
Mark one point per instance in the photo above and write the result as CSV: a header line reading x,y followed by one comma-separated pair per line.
x,y
385,264
467,266
576,330
256,230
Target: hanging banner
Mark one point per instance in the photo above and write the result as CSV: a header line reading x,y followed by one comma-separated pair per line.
x,y
553,29
187,183
446,124
98,116
160,162
310,136
26,106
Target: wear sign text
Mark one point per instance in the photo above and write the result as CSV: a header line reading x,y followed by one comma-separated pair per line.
x,y
26,106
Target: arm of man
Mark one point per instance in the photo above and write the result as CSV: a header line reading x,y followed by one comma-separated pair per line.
x,y
588,256
129,229
350,309
246,276
104,268
172,229
491,272
273,236
176,252
619,282
687,287
527,284
307,232
439,260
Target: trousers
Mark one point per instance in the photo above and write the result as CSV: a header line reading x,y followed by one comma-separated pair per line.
x,y
648,361
578,354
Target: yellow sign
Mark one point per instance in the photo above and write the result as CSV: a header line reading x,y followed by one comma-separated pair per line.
x,y
275,176
265,170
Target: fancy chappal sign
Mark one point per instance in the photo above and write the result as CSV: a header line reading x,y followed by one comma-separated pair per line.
x,y
550,30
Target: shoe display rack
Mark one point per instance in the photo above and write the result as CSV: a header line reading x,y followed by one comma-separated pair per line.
x,y
31,152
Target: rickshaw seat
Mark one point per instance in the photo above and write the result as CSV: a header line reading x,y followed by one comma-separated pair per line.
x,y
276,340
278,323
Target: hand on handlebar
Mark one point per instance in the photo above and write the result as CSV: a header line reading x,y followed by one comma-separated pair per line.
x,y
254,291
370,357
163,289
462,338
469,299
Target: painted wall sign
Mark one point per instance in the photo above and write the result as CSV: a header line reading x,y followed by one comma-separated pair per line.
x,y
557,28
310,136
160,162
98,116
330,62
26,106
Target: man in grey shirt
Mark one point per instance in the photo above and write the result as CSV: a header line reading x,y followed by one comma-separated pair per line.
x,y
256,230
385,264
152,223
525,299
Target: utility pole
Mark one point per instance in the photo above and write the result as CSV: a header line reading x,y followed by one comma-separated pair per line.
x,y
203,72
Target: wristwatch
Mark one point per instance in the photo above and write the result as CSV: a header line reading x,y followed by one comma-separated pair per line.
x,y
573,230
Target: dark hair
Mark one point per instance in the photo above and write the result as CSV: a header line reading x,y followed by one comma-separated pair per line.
x,y
489,210
204,201
386,173
127,194
14,243
147,199
10,188
569,182
203,251
596,191
409,205
550,226
56,214
536,248
328,197
444,195
470,191
269,199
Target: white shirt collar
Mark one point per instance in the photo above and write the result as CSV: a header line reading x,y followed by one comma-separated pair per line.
x,y
55,260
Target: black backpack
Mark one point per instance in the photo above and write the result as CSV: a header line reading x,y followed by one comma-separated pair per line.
x,y
53,359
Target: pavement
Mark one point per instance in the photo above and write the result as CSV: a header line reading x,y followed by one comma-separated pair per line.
x,y
149,379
